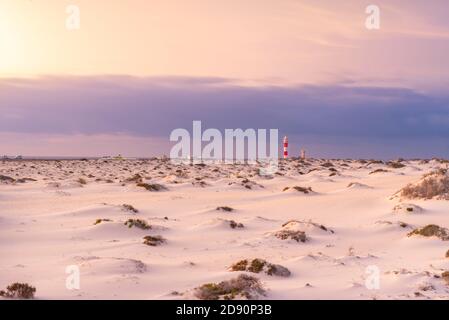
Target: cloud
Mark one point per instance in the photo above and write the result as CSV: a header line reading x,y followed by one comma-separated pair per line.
x,y
153,107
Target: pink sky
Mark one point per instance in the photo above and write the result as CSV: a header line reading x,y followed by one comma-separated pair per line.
x,y
255,41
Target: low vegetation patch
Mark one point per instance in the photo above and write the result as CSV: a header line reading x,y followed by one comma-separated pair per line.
x,y
18,291
138,223
260,265
298,236
445,276
235,225
432,230
248,184
153,240
225,208
25,180
130,208
6,179
244,286
378,171
433,185
135,178
201,184
152,186
395,165
304,190
327,165
375,162
98,221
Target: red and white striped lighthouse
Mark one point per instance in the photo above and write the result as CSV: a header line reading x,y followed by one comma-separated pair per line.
x,y
285,147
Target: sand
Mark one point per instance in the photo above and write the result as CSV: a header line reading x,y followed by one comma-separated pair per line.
x,y
353,222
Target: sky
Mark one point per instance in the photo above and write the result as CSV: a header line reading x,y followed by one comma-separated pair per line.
x,y
135,70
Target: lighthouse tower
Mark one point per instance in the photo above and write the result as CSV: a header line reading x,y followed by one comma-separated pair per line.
x,y
285,147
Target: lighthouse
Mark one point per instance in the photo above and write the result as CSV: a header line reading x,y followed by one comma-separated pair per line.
x,y
285,147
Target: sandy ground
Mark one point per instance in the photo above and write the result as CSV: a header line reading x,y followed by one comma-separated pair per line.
x,y
352,230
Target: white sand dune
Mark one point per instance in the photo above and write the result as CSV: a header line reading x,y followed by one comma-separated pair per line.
x,y
351,221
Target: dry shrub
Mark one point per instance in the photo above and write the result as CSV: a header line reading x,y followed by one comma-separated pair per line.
x,y
239,266
138,223
234,224
304,190
259,265
327,165
243,286
6,179
298,236
432,230
130,208
375,162
201,184
432,185
152,187
378,171
248,184
445,276
153,240
135,178
24,180
18,291
395,164
98,221
225,208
